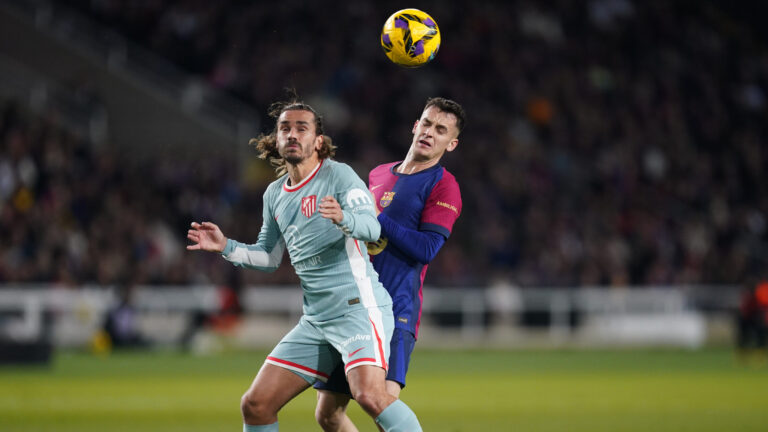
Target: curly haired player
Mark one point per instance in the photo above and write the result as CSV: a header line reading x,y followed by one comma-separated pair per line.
x,y
321,211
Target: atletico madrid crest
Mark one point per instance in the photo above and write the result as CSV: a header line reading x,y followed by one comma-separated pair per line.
x,y
308,205
386,199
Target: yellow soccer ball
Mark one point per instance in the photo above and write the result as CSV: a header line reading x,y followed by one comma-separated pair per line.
x,y
410,38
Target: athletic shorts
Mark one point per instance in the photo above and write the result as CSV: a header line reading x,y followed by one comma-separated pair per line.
x,y
401,348
313,349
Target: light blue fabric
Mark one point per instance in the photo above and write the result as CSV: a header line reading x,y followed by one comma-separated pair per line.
x,y
398,417
260,428
331,260
312,349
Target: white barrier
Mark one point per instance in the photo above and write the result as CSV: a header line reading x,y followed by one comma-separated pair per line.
x,y
462,317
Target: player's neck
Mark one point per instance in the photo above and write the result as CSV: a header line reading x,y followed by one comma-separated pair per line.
x,y
410,166
297,173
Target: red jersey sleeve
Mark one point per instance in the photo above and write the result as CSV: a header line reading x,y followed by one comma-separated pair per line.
x,y
443,206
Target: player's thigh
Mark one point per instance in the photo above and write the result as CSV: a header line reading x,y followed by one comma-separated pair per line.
x,y
305,352
336,383
273,387
331,403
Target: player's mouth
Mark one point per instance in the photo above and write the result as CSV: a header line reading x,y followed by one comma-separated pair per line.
x,y
425,143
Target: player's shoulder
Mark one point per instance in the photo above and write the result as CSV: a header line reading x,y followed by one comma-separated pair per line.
x,y
335,167
448,180
276,185
447,189
384,168
339,171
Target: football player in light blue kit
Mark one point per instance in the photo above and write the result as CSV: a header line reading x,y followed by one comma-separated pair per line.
x,y
323,213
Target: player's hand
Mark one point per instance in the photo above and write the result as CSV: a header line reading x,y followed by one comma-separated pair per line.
x,y
207,236
331,209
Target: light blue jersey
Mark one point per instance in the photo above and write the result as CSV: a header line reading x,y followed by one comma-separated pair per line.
x,y
331,261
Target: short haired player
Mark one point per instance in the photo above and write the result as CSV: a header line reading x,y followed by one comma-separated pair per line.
x,y
417,202
321,211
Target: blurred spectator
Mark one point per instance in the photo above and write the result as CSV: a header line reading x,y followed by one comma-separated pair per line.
x,y
225,319
121,324
609,142
752,328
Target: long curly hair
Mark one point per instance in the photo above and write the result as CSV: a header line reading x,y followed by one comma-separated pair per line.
x,y
266,145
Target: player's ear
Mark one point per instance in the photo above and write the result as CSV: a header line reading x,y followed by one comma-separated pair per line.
x,y
452,145
319,140
416,123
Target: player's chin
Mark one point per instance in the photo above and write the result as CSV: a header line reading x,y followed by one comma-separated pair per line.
x,y
424,152
293,159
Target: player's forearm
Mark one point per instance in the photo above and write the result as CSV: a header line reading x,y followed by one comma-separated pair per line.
x,y
361,226
253,256
421,246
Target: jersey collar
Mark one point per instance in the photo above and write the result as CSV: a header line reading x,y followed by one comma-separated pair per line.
x,y
393,169
303,182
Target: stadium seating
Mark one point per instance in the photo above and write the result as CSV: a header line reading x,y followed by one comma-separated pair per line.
x,y
609,143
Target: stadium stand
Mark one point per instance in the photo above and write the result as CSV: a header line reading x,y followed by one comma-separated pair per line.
x,y
609,143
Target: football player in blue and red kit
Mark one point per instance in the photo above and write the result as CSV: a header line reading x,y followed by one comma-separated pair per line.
x,y
417,202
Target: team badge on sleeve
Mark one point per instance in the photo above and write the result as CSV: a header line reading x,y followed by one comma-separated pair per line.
x,y
358,197
308,205
386,199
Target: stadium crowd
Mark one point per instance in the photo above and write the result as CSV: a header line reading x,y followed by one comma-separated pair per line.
x,y
609,142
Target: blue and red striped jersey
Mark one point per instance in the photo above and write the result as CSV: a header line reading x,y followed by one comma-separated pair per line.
x,y
427,201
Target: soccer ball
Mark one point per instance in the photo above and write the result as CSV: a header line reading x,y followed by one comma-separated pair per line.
x,y
410,38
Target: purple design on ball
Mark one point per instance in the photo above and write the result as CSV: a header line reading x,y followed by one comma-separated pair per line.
x,y
418,49
401,23
429,22
386,39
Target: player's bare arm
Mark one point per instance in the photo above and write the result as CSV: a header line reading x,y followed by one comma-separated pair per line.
x,y
207,236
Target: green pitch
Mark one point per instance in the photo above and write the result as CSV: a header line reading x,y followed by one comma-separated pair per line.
x,y
556,391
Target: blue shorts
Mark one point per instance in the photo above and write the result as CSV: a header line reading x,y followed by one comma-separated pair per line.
x,y
401,348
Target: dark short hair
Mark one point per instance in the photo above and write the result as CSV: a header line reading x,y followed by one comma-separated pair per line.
x,y
449,106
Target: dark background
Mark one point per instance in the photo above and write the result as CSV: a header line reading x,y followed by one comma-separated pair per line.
x,y
608,142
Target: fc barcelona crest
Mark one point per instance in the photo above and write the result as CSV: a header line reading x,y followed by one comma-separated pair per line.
x,y
308,205
386,199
